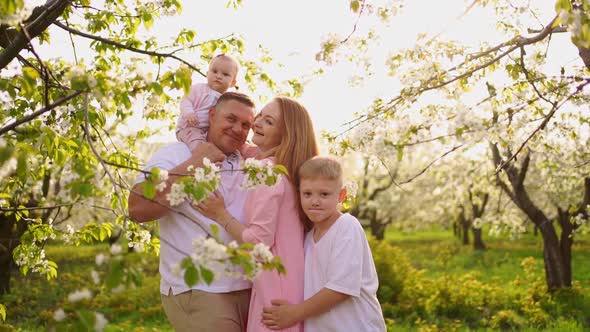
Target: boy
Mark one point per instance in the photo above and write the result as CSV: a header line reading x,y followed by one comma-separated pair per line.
x,y
340,279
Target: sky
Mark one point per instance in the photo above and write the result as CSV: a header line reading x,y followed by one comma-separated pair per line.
x,y
292,31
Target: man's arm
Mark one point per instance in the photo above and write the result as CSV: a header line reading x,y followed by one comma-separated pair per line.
x,y
283,314
142,209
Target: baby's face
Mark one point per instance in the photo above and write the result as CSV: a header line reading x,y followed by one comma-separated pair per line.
x,y
221,74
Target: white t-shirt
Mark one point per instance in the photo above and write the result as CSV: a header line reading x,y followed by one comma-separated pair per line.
x,y
341,261
177,232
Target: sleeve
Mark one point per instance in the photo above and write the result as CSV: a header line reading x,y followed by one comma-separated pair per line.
x,y
346,261
190,103
263,213
161,159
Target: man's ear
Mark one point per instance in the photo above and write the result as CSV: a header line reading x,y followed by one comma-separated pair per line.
x,y
342,195
211,113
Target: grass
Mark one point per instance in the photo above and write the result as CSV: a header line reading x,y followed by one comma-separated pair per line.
x,y
33,300
440,253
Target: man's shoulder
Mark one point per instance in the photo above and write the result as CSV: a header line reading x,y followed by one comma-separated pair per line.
x,y
177,150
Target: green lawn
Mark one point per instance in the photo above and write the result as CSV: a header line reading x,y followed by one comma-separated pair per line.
x,y
33,300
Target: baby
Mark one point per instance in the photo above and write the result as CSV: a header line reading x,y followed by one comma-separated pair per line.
x,y
193,122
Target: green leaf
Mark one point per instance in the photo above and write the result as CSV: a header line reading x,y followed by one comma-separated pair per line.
x,y
115,275
149,190
3,312
86,319
207,275
191,276
354,6
215,229
281,169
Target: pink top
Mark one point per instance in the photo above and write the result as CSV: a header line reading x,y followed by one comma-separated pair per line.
x,y
271,217
199,100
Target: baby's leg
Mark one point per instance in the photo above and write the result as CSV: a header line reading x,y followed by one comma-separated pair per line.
x,y
192,136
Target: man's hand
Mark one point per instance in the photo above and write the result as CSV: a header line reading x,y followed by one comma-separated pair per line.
x,y
281,315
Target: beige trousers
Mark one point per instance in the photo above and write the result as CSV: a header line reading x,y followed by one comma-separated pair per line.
x,y
197,310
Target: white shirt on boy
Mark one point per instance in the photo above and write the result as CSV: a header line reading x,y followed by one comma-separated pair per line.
x,y
342,261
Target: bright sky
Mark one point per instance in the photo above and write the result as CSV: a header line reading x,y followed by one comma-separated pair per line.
x,y
292,31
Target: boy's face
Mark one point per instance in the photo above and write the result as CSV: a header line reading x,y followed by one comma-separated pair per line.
x,y
221,74
320,198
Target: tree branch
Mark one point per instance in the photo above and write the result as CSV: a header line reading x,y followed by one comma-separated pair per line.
x,y
33,115
431,163
123,46
39,21
544,123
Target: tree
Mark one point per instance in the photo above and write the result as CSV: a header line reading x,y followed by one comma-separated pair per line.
x,y
364,207
61,142
518,94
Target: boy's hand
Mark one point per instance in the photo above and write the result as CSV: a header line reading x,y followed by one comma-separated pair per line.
x,y
281,315
192,120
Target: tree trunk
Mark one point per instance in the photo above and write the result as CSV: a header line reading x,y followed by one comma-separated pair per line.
x,y
477,239
377,227
555,262
465,232
10,232
465,225
566,242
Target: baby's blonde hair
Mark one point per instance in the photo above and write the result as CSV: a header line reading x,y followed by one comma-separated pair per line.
x,y
324,168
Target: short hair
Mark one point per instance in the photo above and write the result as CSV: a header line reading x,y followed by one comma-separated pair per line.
x,y
237,96
320,167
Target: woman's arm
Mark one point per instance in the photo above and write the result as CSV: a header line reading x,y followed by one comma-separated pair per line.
x,y
214,208
263,205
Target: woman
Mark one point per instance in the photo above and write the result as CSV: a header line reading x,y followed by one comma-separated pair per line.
x,y
284,134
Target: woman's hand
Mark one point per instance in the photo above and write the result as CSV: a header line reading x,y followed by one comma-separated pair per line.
x,y
213,208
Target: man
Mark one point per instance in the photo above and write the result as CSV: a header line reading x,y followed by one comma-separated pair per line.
x,y
223,305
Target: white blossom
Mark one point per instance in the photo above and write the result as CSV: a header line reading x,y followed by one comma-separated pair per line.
x,y
176,194
83,294
59,315
261,253
138,240
99,259
99,321
116,249
95,277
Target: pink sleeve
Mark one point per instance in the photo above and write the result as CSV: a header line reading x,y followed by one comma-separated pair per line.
x,y
263,213
191,102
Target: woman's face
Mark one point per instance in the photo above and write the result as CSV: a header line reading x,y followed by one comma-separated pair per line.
x,y
267,127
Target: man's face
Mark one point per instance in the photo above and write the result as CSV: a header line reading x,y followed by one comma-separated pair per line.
x,y
229,124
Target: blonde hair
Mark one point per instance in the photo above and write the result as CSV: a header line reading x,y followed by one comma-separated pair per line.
x,y
298,143
324,168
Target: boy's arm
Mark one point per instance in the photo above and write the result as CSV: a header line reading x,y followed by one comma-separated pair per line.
x,y
283,314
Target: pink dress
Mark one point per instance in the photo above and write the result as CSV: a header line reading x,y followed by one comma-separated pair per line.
x,y
271,217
